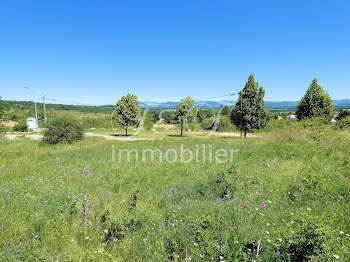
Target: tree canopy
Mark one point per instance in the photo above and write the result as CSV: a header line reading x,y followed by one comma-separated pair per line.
x,y
315,103
249,112
186,111
128,111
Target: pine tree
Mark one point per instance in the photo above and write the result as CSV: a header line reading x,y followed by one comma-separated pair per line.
x,y
315,103
225,111
249,112
128,111
186,111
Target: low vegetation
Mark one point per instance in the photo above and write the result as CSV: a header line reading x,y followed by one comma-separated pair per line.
x,y
284,197
63,130
20,127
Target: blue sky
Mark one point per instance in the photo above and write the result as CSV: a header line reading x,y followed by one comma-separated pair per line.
x,y
96,51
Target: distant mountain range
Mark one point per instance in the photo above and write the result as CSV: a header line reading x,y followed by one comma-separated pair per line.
x,y
277,105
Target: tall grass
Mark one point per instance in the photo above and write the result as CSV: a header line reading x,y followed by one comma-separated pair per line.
x,y
286,196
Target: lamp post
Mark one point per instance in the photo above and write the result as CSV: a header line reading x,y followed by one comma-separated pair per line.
x,y
36,112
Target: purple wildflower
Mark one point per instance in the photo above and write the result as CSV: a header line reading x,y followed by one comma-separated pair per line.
x,y
247,203
263,204
278,254
169,223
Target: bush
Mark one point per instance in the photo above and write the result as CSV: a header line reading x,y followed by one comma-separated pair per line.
x,y
20,127
343,114
3,129
343,124
224,125
63,130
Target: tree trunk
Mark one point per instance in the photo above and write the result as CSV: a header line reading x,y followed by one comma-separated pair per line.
x,y
181,128
241,130
245,132
126,130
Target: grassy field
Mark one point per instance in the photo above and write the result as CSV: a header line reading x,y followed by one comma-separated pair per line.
x,y
285,196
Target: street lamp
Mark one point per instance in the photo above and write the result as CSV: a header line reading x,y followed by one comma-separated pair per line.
x,y
36,111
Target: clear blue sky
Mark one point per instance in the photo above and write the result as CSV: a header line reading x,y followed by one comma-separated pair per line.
x,y
97,51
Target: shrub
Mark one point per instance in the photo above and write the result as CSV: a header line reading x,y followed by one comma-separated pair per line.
x,y
343,124
3,129
343,114
63,130
223,125
20,127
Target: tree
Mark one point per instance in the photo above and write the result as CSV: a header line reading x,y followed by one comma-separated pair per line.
x,y
249,112
225,111
343,114
186,111
128,111
315,103
1,108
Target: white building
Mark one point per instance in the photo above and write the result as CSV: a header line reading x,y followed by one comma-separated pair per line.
x,y
32,123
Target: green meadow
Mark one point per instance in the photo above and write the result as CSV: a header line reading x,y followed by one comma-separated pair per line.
x,y
285,196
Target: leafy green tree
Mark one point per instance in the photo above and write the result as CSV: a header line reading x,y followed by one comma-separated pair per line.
x,y
168,115
128,111
315,103
186,111
249,112
225,111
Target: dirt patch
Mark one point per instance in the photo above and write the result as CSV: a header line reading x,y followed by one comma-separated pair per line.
x,y
120,138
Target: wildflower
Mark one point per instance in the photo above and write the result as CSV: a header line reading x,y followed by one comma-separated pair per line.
x,y
221,257
341,232
267,224
336,256
242,203
292,222
169,223
269,240
267,232
280,239
247,203
308,208
263,204
278,253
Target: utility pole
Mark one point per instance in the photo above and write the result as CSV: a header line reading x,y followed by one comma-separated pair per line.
x,y
36,111
36,117
44,107
44,122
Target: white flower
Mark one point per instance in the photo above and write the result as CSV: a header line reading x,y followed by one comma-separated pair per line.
x,y
269,240
308,208
341,232
280,239
336,256
267,232
292,222
267,224
221,257
87,238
